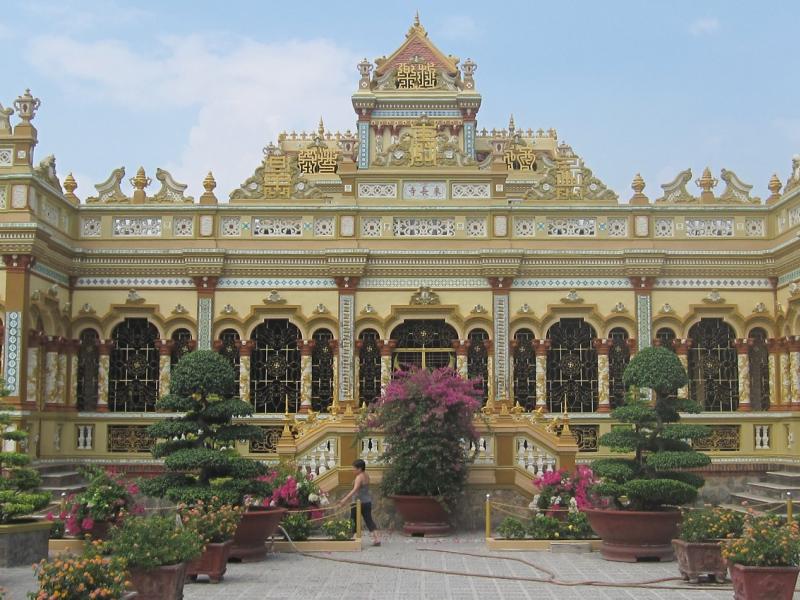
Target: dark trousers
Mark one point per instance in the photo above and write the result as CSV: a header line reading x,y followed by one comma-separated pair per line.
x,y
366,514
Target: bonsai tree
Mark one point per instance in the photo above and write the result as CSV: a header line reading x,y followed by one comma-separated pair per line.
x,y
198,447
19,482
426,417
651,480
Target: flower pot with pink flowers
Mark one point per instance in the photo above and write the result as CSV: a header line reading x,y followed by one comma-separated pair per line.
x,y
562,492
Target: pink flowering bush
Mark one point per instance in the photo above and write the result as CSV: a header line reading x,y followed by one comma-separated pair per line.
x,y
427,418
559,490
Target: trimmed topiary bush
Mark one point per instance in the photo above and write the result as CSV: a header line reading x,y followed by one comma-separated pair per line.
x,y
198,447
658,441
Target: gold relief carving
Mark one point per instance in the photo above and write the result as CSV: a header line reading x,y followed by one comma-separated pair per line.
x,y
424,145
720,438
129,438
277,178
520,158
317,159
415,76
424,296
267,444
586,437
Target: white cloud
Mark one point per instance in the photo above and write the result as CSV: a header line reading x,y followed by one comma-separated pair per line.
x,y
704,26
456,27
242,92
81,15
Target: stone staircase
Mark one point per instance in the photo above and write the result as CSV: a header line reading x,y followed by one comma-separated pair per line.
x,y
60,480
770,494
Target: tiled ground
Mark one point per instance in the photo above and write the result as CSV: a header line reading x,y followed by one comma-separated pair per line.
x,y
293,577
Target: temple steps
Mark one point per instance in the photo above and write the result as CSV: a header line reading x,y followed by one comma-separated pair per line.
x,y
768,495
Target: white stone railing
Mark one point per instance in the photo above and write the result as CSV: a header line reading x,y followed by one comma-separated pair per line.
x,y
321,458
483,450
532,458
762,433
84,437
371,449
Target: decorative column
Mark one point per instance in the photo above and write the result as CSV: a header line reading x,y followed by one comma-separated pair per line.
x,y
500,290
71,348
602,346
643,288
682,347
52,385
245,355
776,348
794,366
743,363
540,348
488,344
164,365
347,286
104,350
35,340
785,375
633,347
15,340
334,348
306,349
206,286
386,346
462,348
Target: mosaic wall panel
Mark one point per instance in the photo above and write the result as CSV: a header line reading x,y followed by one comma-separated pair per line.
x,y
617,227
524,227
412,283
568,283
50,273
135,282
183,226
136,227
733,282
277,227
371,226
3,197
709,227
261,283
346,345
467,191
324,226
50,213
6,157
571,227
205,318
664,228
755,227
794,216
424,226
424,190
11,351
377,190
230,226
475,227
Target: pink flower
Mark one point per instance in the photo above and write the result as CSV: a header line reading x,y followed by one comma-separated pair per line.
x,y
50,516
133,489
87,524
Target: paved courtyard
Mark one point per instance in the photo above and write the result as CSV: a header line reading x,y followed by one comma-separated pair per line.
x,y
290,577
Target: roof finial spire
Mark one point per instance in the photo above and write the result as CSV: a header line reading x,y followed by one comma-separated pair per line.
x,y
321,128
416,19
511,125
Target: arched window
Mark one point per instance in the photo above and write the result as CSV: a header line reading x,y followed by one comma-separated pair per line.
x,y
426,343
524,369
713,367
759,370
664,338
478,360
571,367
618,357
275,367
133,373
229,347
88,369
322,370
182,345
369,366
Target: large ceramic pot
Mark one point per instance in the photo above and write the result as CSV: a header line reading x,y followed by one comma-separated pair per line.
x,y
212,562
161,583
760,583
23,543
696,559
630,535
422,515
257,524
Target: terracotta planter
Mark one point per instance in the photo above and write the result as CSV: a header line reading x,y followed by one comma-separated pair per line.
x,y
696,559
422,515
630,535
212,562
249,541
760,583
161,583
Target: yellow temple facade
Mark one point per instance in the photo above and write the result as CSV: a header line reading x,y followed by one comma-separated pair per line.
x,y
419,238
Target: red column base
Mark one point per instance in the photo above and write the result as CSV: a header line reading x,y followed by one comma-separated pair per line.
x,y
744,408
102,408
777,408
604,408
795,406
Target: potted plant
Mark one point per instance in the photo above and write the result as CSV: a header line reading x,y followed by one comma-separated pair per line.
x,y
97,577
637,516
562,492
338,529
198,448
23,540
698,548
764,561
155,550
427,418
215,523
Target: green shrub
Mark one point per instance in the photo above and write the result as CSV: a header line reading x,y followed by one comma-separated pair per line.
x,y
576,527
542,527
338,529
149,542
511,528
297,526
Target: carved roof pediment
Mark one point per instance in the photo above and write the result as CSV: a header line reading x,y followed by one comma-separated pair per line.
x,y
417,47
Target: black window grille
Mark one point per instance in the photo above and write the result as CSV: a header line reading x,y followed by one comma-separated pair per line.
x,y
478,360
713,366
369,366
572,367
134,370
618,357
88,369
524,369
181,345
758,356
426,343
275,367
322,370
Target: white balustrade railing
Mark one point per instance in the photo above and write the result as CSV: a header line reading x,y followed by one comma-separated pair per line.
x,y
84,437
532,458
371,449
762,433
483,450
321,458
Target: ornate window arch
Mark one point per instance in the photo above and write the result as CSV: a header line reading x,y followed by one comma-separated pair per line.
x,y
369,366
275,367
758,358
88,369
181,345
524,369
572,366
478,360
665,336
322,370
713,365
134,372
618,357
426,343
228,346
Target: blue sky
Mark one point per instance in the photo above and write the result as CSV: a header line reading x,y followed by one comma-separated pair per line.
x,y
633,86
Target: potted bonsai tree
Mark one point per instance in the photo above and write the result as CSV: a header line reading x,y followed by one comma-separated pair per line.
x,y
765,560
215,523
698,546
641,493
155,550
22,540
199,452
427,418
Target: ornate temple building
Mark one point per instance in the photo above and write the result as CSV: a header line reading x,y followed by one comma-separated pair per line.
x,y
419,238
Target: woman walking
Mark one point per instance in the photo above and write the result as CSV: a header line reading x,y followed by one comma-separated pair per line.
x,y
361,492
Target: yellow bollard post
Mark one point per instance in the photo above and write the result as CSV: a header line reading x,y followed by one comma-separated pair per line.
x,y
358,520
789,508
488,516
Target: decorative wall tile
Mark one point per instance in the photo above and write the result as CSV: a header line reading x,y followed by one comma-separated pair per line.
x,y
377,190
424,190
371,226
524,226
90,227
231,226
183,226
135,282
347,225
11,350
617,227
475,226
794,216
6,157
277,226
261,283
323,226
664,228
412,283
467,191
754,227
50,273
705,283
205,317
3,197
424,226
557,283
709,227
346,345
571,227
136,227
